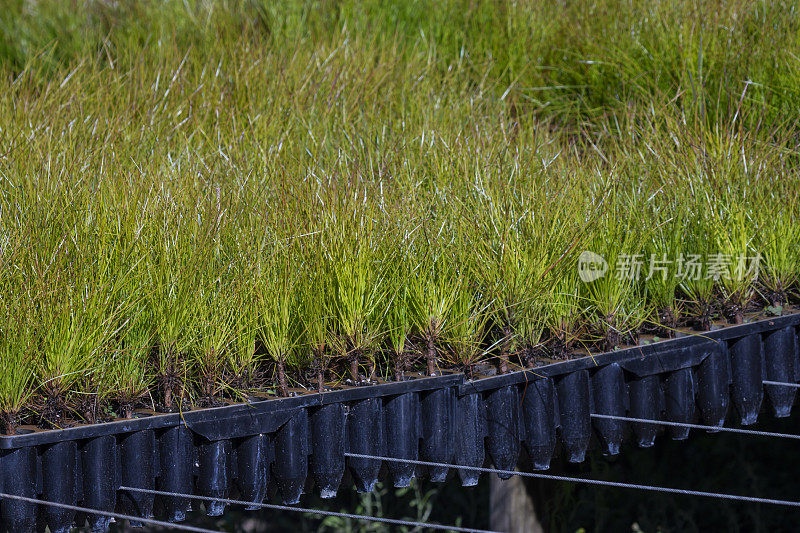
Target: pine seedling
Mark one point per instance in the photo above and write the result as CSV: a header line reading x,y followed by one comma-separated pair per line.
x,y
523,247
615,305
242,363
74,308
213,339
399,316
358,288
563,306
695,284
727,164
120,361
778,235
435,284
17,350
510,274
734,265
129,367
314,309
17,338
662,279
73,326
172,292
467,331
279,327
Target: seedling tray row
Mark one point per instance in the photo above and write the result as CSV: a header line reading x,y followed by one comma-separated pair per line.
x,y
296,444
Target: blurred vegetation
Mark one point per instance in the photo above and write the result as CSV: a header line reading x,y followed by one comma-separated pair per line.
x,y
572,60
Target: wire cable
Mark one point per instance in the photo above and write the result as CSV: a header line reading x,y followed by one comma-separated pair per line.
x,y
392,521
149,521
698,426
781,384
619,484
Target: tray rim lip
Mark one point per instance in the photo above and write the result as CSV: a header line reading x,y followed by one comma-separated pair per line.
x,y
456,380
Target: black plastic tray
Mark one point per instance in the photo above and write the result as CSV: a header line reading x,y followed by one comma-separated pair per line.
x,y
293,444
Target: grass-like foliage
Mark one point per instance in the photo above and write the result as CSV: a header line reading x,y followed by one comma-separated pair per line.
x,y
205,201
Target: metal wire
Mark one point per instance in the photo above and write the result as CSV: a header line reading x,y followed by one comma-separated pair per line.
x,y
619,484
149,521
392,521
781,384
698,426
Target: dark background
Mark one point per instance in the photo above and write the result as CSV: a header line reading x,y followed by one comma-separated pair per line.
x,y
736,464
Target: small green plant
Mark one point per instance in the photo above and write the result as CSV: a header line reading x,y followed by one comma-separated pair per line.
x,y
129,368
696,284
778,235
399,315
358,285
213,340
279,324
435,285
18,363
315,296
171,285
734,238
615,304
662,254
242,361
466,335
